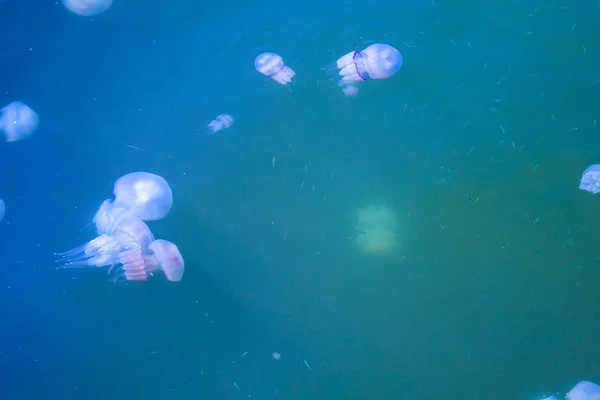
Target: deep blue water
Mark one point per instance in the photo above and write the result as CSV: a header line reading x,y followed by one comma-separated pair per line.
x,y
477,144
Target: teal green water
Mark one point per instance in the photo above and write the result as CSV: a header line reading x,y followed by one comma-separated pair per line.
x,y
477,145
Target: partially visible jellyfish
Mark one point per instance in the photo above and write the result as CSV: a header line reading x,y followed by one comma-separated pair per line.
x,y
378,61
18,121
376,230
271,65
128,242
276,356
590,179
87,8
222,121
160,255
2,209
584,390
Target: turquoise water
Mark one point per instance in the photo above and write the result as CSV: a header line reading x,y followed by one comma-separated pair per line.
x,y
477,144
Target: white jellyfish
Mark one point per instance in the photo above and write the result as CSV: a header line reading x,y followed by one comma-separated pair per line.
x,y
376,230
2,209
271,64
590,179
378,61
87,8
222,121
18,121
128,240
584,390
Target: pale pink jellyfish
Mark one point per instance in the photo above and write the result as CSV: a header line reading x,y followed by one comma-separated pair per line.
x,y
161,255
378,61
128,240
87,8
18,121
271,65
139,195
222,121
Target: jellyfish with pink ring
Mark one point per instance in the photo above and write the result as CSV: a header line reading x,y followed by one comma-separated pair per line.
x,y
137,195
377,61
126,243
161,255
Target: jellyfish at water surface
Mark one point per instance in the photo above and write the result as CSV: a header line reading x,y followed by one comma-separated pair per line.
x,y
87,8
271,65
222,121
378,61
18,121
584,390
590,179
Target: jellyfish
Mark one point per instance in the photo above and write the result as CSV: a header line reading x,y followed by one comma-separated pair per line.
x,y
378,61
221,122
376,230
160,255
2,209
584,390
87,8
128,241
590,179
18,121
139,194
271,64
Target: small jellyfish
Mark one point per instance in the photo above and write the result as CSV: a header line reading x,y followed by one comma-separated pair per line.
x,y
584,390
271,64
18,121
276,356
378,61
221,122
87,8
590,179
2,209
129,240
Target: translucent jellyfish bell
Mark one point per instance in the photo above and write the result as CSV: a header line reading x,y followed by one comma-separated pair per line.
x,y
18,121
2,209
222,121
590,179
271,64
584,390
378,61
87,8
168,259
130,238
144,195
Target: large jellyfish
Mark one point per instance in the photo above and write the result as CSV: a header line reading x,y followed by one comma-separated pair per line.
x,y
590,179
378,61
128,242
221,122
584,390
271,64
87,8
139,194
18,121
161,255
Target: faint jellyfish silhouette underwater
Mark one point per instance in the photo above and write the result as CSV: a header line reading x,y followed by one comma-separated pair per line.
x,y
222,121
590,179
271,65
87,8
18,121
378,61
2,209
